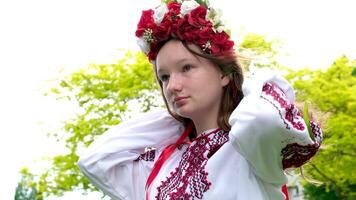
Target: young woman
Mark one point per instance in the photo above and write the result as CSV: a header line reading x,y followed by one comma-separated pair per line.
x,y
218,138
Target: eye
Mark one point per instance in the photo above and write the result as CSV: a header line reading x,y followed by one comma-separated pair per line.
x,y
164,77
186,67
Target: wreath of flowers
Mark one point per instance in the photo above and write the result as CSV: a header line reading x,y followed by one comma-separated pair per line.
x,y
186,20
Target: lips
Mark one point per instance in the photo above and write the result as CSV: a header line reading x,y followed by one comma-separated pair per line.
x,y
180,101
179,98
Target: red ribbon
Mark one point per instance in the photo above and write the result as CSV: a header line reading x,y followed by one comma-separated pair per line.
x,y
167,152
285,191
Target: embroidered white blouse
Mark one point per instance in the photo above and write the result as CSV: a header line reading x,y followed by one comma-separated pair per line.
x,y
268,135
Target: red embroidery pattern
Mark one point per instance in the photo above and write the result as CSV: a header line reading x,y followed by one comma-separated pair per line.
x,y
295,155
149,155
292,114
189,179
318,134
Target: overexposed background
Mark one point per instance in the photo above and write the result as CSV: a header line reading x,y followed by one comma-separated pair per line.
x,y
40,37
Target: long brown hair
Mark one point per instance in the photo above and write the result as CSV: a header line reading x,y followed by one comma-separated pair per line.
x,y
232,93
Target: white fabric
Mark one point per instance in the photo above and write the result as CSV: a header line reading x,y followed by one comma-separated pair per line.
x,y
248,166
109,161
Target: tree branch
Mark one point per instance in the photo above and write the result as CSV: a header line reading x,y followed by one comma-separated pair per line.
x,y
322,174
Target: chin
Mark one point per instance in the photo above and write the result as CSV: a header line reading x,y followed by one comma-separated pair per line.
x,y
184,113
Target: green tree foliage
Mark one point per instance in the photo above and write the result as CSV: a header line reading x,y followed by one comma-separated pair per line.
x,y
25,189
314,192
259,51
103,94
333,92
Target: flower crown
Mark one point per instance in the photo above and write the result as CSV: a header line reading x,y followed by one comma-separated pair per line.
x,y
186,20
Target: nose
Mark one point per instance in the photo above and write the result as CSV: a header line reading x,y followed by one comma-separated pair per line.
x,y
174,83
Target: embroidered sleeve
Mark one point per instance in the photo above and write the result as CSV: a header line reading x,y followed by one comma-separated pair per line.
x,y
268,130
119,162
293,154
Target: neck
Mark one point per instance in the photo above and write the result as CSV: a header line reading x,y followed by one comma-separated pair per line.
x,y
206,119
205,124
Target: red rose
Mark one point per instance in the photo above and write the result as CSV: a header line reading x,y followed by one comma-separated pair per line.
x,y
174,8
198,37
146,22
154,48
184,30
199,12
163,31
173,13
220,43
205,34
197,18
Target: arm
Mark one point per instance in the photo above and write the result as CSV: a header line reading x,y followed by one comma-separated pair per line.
x,y
269,131
116,162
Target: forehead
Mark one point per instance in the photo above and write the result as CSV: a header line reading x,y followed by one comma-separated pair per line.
x,y
174,52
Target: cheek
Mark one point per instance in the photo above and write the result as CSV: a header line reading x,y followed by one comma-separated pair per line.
x,y
166,95
211,89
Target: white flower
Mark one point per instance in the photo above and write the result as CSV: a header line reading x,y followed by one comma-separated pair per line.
x,y
207,45
188,6
144,46
159,13
215,17
220,29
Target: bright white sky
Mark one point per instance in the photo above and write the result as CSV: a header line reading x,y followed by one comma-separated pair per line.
x,y
39,37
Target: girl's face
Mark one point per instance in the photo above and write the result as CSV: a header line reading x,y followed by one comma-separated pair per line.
x,y
192,85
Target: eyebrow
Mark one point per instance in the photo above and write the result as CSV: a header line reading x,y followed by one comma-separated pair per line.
x,y
176,63
182,60
160,71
